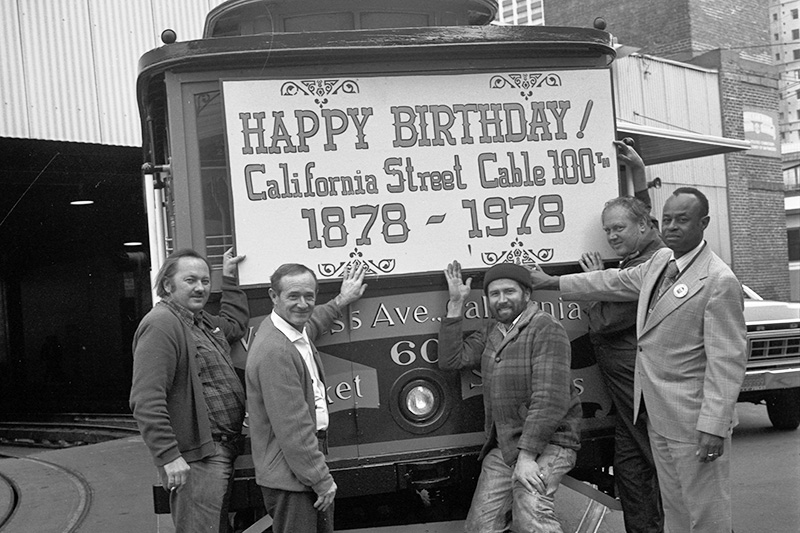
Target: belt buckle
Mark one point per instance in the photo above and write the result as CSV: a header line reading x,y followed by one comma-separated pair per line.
x,y
232,439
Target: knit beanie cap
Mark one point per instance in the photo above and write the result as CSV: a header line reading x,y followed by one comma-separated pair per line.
x,y
513,271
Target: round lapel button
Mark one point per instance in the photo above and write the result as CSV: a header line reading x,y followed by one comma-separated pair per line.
x,y
680,290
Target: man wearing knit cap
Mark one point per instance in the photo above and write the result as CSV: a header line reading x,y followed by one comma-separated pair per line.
x,y
532,410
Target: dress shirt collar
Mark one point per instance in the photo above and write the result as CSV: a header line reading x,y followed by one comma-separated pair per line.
x,y
287,329
686,259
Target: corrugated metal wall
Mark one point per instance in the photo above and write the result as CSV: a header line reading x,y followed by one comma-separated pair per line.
x,y
663,94
657,92
68,69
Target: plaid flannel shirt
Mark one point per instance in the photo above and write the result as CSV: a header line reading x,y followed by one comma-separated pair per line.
x,y
222,388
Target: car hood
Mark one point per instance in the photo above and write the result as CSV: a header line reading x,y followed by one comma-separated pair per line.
x,y
770,311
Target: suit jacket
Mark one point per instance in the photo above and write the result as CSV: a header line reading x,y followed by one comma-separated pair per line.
x,y
282,413
692,348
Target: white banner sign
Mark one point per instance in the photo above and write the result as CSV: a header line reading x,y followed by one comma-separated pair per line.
x,y
407,173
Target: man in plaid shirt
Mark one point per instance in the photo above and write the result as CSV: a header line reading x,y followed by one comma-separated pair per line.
x,y
532,408
186,397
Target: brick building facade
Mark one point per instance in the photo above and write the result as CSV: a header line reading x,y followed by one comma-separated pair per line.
x,y
726,36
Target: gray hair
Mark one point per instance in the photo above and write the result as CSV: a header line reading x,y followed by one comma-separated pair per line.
x,y
636,209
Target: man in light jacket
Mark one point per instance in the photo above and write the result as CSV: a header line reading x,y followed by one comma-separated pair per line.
x,y
287,400
691,359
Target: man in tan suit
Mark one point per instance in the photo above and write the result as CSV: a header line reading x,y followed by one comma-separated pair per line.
x,y
692,352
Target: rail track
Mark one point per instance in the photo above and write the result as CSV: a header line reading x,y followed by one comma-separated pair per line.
x,y
65,430
21,474
18,503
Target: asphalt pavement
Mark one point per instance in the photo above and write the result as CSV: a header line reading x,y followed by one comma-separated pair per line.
x,y
765,474
765,485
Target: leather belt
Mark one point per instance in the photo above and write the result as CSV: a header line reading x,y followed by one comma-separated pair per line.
x,y
231,438
322,439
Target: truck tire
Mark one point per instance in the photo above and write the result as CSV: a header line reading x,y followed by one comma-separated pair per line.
x,y
783,409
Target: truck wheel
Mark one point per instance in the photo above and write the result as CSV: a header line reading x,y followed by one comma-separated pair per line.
x,y
784,409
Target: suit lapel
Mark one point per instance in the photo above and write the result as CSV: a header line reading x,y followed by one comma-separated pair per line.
x,y
659,263
693,279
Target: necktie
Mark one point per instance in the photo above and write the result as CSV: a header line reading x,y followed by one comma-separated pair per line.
x,y
670,274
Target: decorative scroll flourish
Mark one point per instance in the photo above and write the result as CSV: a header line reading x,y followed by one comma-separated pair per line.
x,y
320,89
202,100
379,266
525,82
518,254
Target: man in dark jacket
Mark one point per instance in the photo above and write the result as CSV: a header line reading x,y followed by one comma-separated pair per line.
x,y
531,407
612,330
186,397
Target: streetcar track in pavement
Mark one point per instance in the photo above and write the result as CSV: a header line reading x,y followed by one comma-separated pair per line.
x,y
20,485
20,497
8,491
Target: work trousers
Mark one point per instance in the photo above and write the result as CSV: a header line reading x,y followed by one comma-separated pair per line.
x,y
499,505
201,505
634,468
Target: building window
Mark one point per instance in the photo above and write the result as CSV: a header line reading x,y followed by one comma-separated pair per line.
x,y
794,13
775,36
796,34
780,116
774,16
796,53
777,57
798,113
793,236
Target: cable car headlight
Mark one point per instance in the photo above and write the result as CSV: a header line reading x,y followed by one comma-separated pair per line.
x,y
420,401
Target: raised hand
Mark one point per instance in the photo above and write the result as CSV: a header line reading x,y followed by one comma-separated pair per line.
x,y
459,290
628,155
229,262
353,285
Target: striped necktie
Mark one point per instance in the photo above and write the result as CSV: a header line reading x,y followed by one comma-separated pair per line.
x,y
670,274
